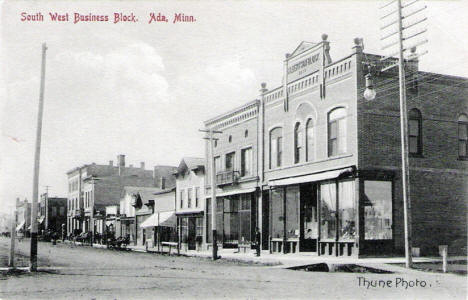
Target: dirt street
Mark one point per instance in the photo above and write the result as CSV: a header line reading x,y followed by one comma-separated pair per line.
x,y
81,272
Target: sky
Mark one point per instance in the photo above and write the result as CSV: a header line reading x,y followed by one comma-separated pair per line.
x,y
144,90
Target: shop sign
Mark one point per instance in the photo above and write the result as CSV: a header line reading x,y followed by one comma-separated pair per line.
x,y
304,65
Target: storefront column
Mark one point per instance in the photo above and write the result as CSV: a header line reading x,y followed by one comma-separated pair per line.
x,y
337,222
284,221
319,217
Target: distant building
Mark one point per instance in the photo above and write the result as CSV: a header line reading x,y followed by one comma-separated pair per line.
x,y
52,213
5,223
92,187
23,217
135,199
156,220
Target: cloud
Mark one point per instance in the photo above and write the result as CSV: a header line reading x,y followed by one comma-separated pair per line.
x,y
218,87
130,74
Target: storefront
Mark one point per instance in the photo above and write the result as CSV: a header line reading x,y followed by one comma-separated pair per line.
x,y
191,230
157,228
235,219
327,214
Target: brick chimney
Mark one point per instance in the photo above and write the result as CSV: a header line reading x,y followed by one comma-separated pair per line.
x,y
111,163
142,165
155,176
121,163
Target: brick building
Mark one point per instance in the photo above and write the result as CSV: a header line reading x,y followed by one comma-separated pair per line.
x,y
52,213
236,167
92,187
328,174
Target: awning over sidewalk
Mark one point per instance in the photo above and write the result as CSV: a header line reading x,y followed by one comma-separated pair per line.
x,y
232,192
20,226
309,178
167,219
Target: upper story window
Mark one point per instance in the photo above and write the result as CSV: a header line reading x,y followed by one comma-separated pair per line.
x,y
337,131
415,132
298,147
276,147
310,140
189,197
181,198
463,136
197,196
246,162
246,133
230,161
217,162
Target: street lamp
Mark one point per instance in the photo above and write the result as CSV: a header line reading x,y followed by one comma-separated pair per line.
x,y
369,93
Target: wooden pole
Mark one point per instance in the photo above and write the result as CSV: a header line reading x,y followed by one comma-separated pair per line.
x,y
37,158
11,261
404,143
213,199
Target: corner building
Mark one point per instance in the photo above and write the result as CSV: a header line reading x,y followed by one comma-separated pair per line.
x,y
329,162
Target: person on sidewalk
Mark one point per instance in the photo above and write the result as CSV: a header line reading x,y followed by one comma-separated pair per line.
x,y
257,240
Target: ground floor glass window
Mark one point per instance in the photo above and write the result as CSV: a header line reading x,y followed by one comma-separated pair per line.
x,y
377,210
328,210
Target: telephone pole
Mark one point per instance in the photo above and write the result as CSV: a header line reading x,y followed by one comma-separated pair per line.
x,y
403,33
37,158
211,138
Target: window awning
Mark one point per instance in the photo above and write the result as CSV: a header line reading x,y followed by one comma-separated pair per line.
x,y
233,192
20,226
166,219
309,178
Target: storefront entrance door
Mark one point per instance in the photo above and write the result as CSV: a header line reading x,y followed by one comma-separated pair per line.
x,y
192,231
308,222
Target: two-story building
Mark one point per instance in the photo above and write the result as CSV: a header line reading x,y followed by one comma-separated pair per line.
x,y
52,213
328,163
190,204
236,160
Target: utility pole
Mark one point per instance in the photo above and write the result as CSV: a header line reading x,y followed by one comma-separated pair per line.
x,y
213,190
11,262
401,38
37,158
404,143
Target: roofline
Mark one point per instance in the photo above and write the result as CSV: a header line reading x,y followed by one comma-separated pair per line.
x,y
165,192
232,111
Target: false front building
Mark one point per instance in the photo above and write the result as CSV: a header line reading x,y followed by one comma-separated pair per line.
x,y
326,168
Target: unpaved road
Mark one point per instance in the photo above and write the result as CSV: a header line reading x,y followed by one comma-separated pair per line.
x,y
89,273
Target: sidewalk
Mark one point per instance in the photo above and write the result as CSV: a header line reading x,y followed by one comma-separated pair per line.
x,y
284,261
291,260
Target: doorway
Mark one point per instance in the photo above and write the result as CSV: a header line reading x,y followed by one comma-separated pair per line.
x,y
192,228
308,218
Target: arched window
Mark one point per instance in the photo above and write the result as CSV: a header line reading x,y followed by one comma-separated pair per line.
x,y
337,131
310,149
276,147
463,137
415,132
298,147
